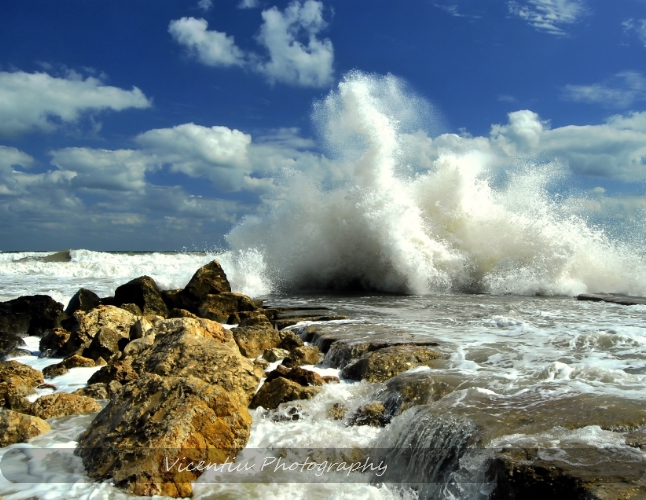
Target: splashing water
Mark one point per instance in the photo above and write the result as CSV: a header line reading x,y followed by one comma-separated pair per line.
x,y
367,217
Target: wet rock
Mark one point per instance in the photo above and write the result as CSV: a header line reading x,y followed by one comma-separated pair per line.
x,y
30,315
380,365
143,327
198,327
53,342
289,340
90,324
287,322
343,352
18,428
9,342
181,313
254,340
373,414
155,421
305,355
47,386
254,318
143,292
281,390
582,473
118,370
61,404
207,280
138,346
131,308
331,379
614,299
94,391
275,354
262,364
337,411
84,300
106,344
220,307
13,372
173,300
62,368
296,374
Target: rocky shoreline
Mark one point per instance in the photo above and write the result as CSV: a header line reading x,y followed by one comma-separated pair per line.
x,y
174,383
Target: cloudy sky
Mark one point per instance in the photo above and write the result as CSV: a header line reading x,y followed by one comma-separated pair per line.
x,y
160,124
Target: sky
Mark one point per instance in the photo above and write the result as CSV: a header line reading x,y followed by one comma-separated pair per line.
x,y
161,124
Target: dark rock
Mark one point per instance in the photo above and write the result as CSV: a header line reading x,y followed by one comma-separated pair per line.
x,y
254,340
106,344
83,300
94,391
181,313
281,390
90,324
62,368
614,299
296,374
289,340
380,365
207,280
10,341
173,300
155,421
131,308
143,292
30,315
220,307
372,414
303,356
53,342
18,428
118,370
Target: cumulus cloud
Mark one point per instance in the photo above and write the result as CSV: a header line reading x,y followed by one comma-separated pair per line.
x,y
549,15
620,91
205,5
296,54
636,27
10,158
212,48
38,101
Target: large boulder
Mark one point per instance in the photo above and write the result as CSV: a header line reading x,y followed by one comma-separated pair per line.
x,y
143,292
296,374
17,427
380,365
89,324
158,422
281,390
300,356
63,367
30,315
106,344
17,379
84,300
207,280
12,344
254,340
117,370
222,307
53,342
62,404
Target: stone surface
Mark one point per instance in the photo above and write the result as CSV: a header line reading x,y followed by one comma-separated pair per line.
x,y
380,365
337,411
163,418
372,414
289,340
280,390
9,342
61,368
117,370
53,342
305,355
181,313
62,404
296,374
12,371
275,354
220,307
89,324
84,300
207,280
106,344
143,292
95,391
614,299
18,428
30,315
254,340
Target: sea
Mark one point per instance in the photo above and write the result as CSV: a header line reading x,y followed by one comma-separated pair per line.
x,y
404,237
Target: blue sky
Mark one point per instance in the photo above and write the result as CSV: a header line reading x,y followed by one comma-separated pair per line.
x,y
159,124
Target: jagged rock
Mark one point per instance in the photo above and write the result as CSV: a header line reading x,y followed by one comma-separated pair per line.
x,y
337,411
53,342
303,356
173,300
254,340
275,354
89,324
207,280
94,391
106,344
18,428
220,307
17,373
61,404
143,327
156,420
372,414
181,313
138,346
30,315
203,349
614,299
289,340
61,368
342,352
262,364
143,292
84,300
281,390
118,370
254,318
380,365
10,342
131,308
296,374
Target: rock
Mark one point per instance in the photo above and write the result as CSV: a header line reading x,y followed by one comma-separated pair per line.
x,y
173,300
220,307
331,379
18,428
118,370
296,374
155,421
10,342
143,327
94,391
303,356
281,390
138,346
143,292
47,386
53,342
380,365
287,322
14,352
372,414
84,300
61,404
342,352
254,340
254,318
337,411
203,349
30,315
13,371
61,368
132,308
90,324
275,354
181,313
262,364
106,344
614,299
289,340
207,280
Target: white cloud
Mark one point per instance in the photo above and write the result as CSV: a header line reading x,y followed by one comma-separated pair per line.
x,y
10,157
452,10
296,55
38,101
549,15
212,48
248,4
636,26
205,5
621,91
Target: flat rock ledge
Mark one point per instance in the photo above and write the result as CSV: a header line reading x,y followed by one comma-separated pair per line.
x,y
622,300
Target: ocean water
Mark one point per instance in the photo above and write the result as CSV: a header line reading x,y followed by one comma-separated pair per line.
x,y
406,237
